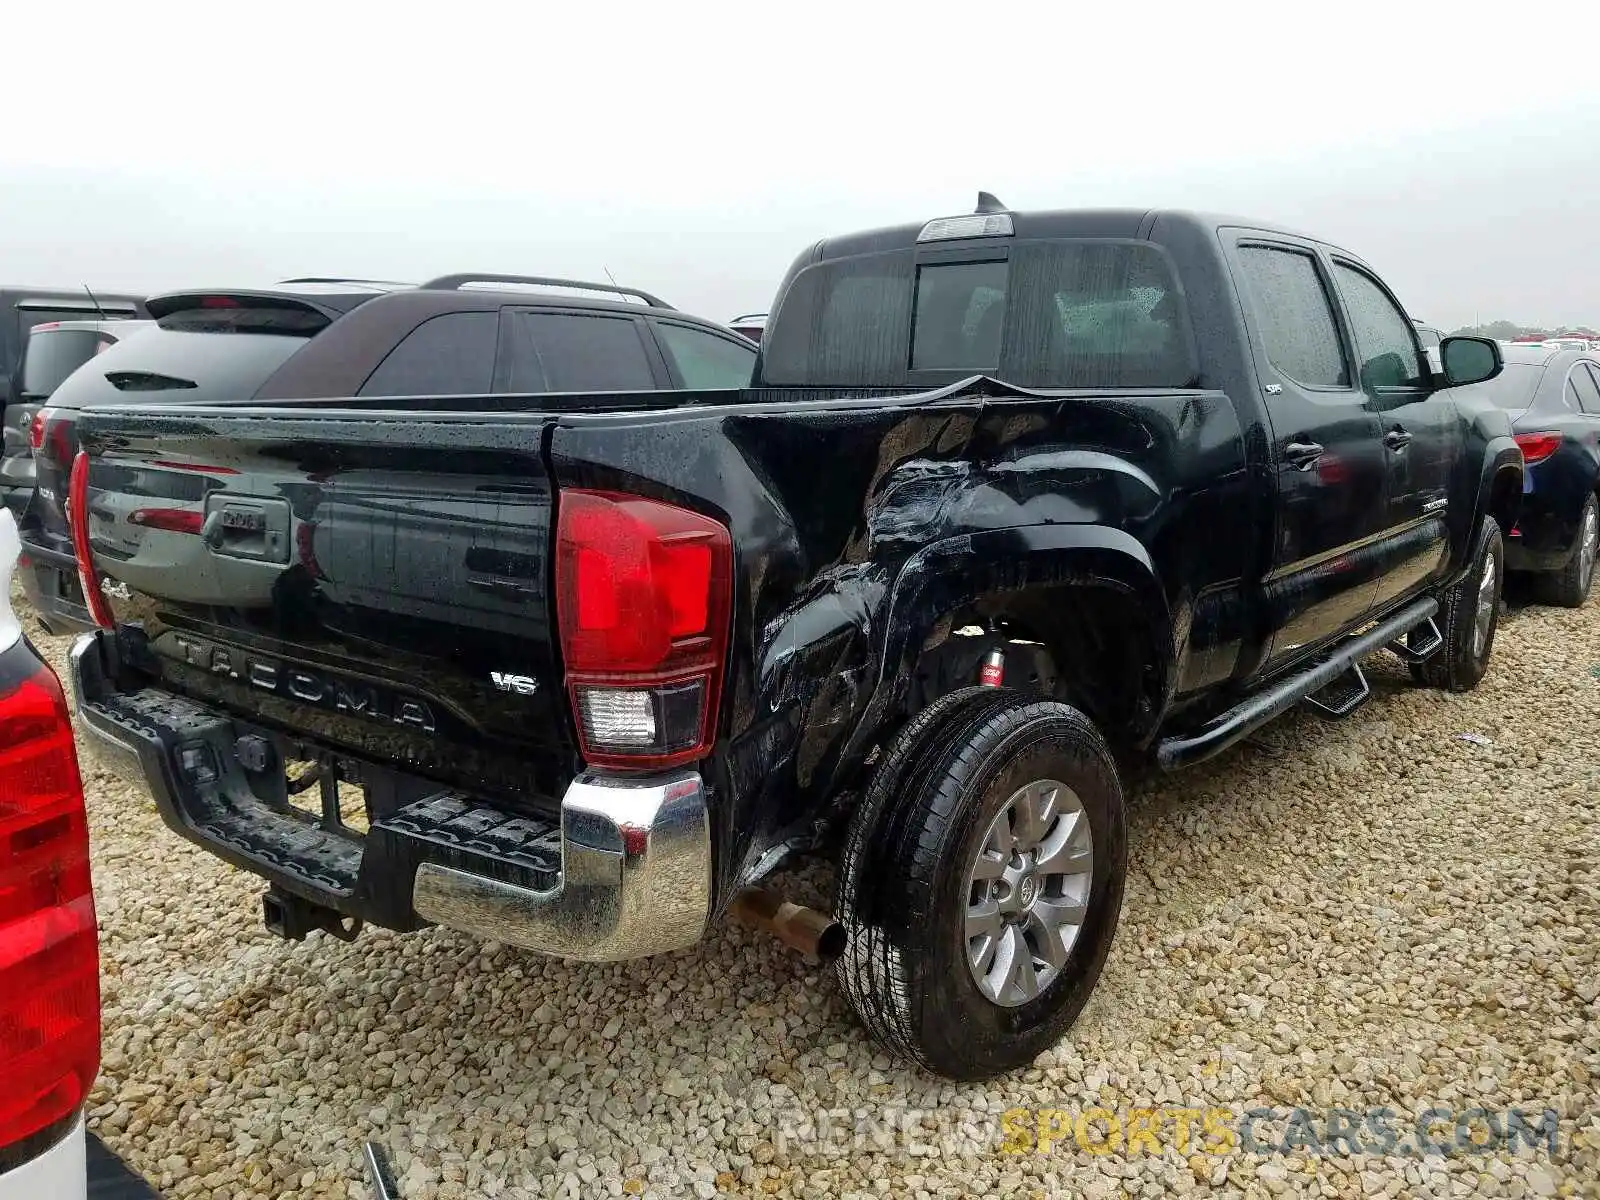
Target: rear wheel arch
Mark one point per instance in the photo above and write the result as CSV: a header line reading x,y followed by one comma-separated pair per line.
x,y
1079,610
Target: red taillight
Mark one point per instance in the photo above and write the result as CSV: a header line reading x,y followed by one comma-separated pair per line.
x,y
36,429
174,520
219,302
49,963
78,523
1536,447
643,594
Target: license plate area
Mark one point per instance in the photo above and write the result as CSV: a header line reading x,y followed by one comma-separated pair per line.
x,y
248,527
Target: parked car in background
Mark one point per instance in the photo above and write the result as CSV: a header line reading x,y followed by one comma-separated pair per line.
x,y
751,325
49,954
1553,394
54,350
459,335
1018,495
21,308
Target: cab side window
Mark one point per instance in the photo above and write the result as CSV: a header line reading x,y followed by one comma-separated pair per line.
x,y
1386,340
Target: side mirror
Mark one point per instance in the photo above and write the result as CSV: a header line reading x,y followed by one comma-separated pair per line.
x,y
1469,360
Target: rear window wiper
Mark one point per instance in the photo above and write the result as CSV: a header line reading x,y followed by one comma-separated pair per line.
x,y
146,381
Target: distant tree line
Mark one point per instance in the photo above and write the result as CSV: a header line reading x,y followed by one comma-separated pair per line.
x,y
1507,330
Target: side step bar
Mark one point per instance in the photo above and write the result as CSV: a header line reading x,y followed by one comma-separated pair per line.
x,y
1343,696
1421,644
1253,712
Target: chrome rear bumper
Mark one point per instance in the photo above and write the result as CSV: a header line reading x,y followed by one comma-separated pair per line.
x,y
635,876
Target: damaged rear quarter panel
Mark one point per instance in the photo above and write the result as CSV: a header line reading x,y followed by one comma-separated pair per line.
x,y
857,524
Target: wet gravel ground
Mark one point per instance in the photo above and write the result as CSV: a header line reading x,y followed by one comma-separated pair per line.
x,y
1373,914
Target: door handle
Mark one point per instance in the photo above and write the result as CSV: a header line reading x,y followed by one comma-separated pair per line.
x,y
1302,456
1397,439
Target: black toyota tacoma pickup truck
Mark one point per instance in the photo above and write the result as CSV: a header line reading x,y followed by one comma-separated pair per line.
x,y
1019,499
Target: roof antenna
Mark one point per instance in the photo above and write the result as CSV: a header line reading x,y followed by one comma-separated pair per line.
x,y
96,303
989,203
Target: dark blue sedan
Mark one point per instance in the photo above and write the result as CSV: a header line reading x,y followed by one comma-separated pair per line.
x,y
1554,396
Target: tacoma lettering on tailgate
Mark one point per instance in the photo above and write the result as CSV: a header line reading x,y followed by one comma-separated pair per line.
x,y
323,688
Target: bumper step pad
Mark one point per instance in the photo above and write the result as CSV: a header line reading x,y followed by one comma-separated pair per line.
x,y
209,798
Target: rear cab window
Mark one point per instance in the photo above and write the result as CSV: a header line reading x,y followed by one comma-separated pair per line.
x,y
1044,313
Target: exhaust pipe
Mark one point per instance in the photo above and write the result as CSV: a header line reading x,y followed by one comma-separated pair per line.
x,y
796,926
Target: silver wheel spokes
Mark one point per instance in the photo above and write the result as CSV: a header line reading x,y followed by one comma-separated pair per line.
x,y
1588,547
1487,599
1028,892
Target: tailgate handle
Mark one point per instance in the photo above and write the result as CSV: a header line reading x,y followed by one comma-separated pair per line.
x,y
247,528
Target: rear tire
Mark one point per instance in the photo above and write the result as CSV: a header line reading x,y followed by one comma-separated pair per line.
x,y
1468,617
1569,587
988,792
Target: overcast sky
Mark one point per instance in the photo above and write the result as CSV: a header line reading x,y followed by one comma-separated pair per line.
x,y
694,149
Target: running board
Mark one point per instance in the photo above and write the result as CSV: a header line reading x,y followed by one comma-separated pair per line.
x,y
1420,644
1256,710
1341,697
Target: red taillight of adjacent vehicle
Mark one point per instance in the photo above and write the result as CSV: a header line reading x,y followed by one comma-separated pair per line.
x,y
643,595
1536,447
78,523
173,520
36,429
49,961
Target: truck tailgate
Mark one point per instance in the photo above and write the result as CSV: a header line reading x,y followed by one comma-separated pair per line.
x,y
381,585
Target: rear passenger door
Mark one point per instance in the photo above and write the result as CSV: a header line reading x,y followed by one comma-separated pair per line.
x,y
549,349
1326,454
1420,432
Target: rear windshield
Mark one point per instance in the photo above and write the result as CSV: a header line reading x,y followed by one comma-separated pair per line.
x,y
53,354
1513,388
167,366
1058,314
